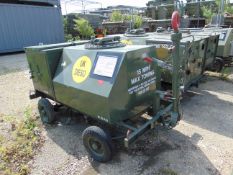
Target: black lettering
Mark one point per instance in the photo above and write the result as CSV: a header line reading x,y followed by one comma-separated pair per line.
x,y
83,64
80,73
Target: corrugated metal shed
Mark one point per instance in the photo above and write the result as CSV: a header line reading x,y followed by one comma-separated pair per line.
x,y
53,2
26,25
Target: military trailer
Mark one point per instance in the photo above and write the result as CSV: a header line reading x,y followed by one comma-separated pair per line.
x,y
211,62
192,54
219,46
116,85
225,46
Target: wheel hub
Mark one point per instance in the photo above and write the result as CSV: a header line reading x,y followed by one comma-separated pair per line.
x,y
96,146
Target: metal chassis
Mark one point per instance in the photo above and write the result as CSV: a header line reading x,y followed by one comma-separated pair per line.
x,y
136,132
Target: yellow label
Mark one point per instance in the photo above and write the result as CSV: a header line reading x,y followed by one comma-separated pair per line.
x,y
162,53
127,42
81,69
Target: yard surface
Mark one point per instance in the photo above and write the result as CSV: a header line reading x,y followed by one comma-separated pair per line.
x,y
201,144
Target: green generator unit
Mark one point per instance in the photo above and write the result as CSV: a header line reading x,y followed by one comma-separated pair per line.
x,y
211,63
211,50
223,52
192,55
193,51
116,85
225,44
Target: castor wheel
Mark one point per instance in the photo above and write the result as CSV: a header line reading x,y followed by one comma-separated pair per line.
x,y
46,111
218,65
98,143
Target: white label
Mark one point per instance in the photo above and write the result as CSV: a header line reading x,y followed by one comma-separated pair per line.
x,y
222,36
145,77
166,46
105,66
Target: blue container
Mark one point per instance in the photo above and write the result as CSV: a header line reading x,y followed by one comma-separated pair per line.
x,y
26,25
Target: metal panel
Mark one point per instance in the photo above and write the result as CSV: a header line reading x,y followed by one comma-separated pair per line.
x,y
25,25
52,2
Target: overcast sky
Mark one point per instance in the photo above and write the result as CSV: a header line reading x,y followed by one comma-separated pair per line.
x,y
70,7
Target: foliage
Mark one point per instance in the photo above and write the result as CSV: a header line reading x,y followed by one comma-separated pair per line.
x,y
207,13
70,33
19,147
117,16
167,171
210,10
225,73
68,37
84,28
228,7
137,21
65,25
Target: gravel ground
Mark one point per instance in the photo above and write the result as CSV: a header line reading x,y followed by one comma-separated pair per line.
x,y
14,88
200,144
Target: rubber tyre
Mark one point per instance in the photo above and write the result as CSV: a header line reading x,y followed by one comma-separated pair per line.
x,y
46,111
93,136
218,65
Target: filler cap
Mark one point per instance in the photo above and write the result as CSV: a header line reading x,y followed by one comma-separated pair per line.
x,y
136,33
104,43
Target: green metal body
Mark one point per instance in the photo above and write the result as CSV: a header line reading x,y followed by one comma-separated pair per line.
x,y
43,61
225,47
120,97
192,55
115,85
125,95
191,11
211,50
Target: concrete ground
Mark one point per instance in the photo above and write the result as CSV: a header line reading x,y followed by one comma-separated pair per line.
x,y
200,144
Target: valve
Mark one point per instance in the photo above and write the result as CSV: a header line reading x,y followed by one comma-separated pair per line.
x,y
175,21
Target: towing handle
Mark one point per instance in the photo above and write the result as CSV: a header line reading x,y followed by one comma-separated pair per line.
x,y
176,37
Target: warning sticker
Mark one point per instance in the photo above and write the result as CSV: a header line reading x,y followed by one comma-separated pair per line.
x,y
127,42
81,69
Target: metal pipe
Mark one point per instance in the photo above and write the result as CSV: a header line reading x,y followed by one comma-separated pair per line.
x,y
176,37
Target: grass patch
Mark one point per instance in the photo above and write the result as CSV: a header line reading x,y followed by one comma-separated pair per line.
x,y
20,149
226,71
167,171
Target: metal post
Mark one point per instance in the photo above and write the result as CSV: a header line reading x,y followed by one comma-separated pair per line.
x,y
176,37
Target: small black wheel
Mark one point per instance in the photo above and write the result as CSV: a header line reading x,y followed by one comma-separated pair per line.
x,y
218,65
46,111
98,143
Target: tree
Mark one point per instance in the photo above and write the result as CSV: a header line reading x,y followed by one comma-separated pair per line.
x,y
228,7
137,21
210,10
207,13
84,28
116,16
68,36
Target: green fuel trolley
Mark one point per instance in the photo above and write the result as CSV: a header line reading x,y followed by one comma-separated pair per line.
x,y
116,85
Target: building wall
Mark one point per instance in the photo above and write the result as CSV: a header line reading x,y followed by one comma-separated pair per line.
x,y
27,25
